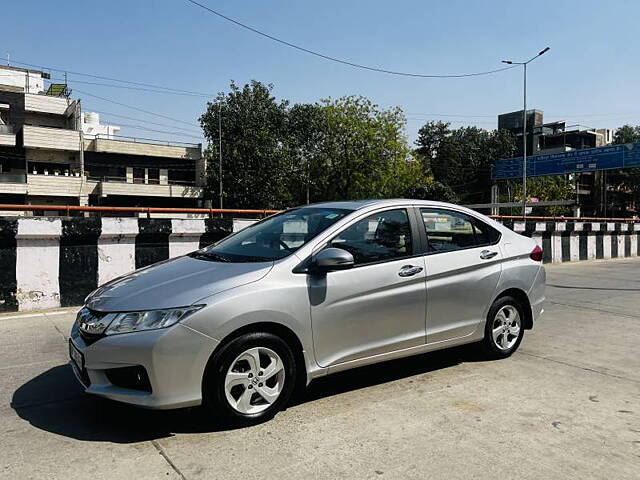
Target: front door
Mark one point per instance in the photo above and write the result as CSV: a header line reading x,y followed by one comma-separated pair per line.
x,y
463,266
378,306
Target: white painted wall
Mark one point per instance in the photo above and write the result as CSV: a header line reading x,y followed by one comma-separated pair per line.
x,y
91,126
116,248
185,236
31,82
38,263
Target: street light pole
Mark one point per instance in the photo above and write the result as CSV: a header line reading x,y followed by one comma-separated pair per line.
x,y
220,151
524,126
524,146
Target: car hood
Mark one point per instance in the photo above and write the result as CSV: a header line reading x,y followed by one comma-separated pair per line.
x,y
173,283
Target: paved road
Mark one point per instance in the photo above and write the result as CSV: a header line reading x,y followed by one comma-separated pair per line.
x,y
567,405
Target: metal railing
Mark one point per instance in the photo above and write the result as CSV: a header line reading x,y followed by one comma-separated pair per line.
x,y
564,219
140,181
144,210
261,212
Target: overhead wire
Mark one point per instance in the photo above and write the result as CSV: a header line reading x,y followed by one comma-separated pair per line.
x,y
148,112
140,127
127,87
111,79
144,120
342,61
168,90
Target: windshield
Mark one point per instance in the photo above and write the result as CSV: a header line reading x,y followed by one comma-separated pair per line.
x,y
275,237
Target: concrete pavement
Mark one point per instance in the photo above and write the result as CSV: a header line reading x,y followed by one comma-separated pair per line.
x,y
566,405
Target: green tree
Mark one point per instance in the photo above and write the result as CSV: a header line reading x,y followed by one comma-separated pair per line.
x,y
306,127
432,190
462,158
623,186
365,152
277,155
627,134
555,187
255,165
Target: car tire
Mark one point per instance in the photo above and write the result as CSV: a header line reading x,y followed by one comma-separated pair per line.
x,y
240,387
501,338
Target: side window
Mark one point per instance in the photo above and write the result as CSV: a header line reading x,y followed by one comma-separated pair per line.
x,y
485,235
448,230
378,237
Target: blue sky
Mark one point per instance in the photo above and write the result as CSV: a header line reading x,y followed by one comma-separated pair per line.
x,y
590,76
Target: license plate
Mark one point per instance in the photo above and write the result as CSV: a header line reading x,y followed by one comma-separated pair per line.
x,y
76,356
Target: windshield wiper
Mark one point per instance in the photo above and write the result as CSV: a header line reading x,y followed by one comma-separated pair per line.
x,y
247,259
209,256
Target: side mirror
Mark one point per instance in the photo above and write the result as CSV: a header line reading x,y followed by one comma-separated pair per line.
x,y
333,259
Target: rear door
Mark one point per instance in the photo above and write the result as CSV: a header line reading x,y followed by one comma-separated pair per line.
x,y
463,265
377,306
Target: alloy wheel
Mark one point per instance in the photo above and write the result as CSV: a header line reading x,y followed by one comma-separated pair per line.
x,y
254,380
506,327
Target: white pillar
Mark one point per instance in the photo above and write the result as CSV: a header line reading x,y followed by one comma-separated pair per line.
x,y
634,239
519,227
556,242
116,248
606,240
574,242
591,242
38,263
240,223
185,236
621,237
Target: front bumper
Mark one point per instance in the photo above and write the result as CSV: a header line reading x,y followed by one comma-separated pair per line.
x,y
173,358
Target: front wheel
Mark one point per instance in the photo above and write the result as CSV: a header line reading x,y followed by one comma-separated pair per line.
x,y
249,379
504,328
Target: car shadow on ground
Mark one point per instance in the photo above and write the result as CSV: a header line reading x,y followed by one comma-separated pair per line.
x,y
54,401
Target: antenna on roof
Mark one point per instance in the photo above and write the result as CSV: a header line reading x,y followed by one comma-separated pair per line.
x,y
8,60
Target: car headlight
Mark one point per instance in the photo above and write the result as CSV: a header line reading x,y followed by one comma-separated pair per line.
x,y
126,322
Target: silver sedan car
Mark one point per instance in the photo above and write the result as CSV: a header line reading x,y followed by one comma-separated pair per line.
x,y
240,325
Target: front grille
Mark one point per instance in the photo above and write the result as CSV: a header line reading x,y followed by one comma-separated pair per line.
x,y
90,338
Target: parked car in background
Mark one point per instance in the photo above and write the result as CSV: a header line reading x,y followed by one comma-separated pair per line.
x,y
239,325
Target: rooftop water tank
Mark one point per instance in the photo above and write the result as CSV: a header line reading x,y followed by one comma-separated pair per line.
x,y
92,118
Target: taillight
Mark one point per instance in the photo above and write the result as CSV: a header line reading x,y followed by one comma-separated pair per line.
x,y
536,254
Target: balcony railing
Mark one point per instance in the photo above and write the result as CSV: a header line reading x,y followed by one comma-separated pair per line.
x,y
150,141
98,178
13,178
139,181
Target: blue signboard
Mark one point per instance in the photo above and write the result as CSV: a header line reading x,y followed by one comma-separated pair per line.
x,y
587,160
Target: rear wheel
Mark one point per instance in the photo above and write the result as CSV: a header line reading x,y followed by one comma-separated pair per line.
x,y
504,328
250,379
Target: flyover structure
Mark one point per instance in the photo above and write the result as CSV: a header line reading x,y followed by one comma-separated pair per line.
x,y
610,157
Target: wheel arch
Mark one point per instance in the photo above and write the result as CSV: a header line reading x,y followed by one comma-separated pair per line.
x,y
278,329
523,299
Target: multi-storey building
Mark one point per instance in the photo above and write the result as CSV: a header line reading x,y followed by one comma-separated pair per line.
x,y
553,137
53,153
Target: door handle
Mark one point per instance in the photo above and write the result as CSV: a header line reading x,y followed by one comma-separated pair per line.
x,y
409,271
487,254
